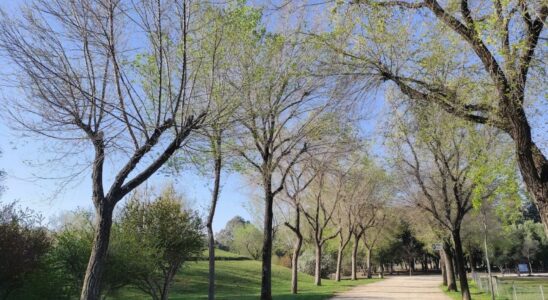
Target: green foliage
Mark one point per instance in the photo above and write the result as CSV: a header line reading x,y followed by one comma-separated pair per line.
x,y
72,250
23,245
248,241
225,237
163,234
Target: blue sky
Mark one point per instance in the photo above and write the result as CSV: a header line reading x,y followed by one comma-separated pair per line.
x,y
23,181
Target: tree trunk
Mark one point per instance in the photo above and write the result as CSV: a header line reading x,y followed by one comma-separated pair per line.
x,y
339,263
459,257
91,289
443,271
449,267
164,292
532,163
318,267
530,266
342,245
411,263
295,264
354,259
368,263
266,284
211,238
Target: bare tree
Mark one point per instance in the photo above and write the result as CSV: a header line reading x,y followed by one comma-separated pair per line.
x,y
319,210
297,182
114,77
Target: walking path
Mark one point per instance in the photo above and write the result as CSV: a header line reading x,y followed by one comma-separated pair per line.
x,y
398,287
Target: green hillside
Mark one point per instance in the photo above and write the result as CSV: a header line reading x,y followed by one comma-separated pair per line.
x,y
241,280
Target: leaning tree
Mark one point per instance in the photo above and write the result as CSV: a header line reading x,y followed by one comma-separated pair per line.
x,y
114,79
482,61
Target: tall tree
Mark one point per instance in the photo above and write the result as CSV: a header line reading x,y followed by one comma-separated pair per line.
x,y
130,102
480,61
226,27
280,104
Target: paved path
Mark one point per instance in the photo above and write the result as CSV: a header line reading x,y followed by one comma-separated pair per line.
x,y
398,287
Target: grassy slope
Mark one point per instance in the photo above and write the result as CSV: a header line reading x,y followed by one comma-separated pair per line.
x,y
241,280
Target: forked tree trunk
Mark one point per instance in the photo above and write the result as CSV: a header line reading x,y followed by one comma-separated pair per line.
x,y
449,267
318,266
266,273
342,245
295,264
210,236
296,249
459,257
91,289
164,292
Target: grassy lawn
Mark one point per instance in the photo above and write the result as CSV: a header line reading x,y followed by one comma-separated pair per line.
x,y
527,288
474,291
224,255
242,280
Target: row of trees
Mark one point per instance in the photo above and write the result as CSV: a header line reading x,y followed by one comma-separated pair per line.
x,y
135,86
153,235
200,77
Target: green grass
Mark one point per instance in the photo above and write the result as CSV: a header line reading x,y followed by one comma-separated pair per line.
x,y
474,292
242,280
224,255
527,288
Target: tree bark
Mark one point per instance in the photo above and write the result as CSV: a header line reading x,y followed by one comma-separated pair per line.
x,y
164,292
339,263
354,259
318,266
368,263
211,238
295,264
342,245
91,289
532,163
449,268
411,263
443,271
459,257
266,285
296,249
